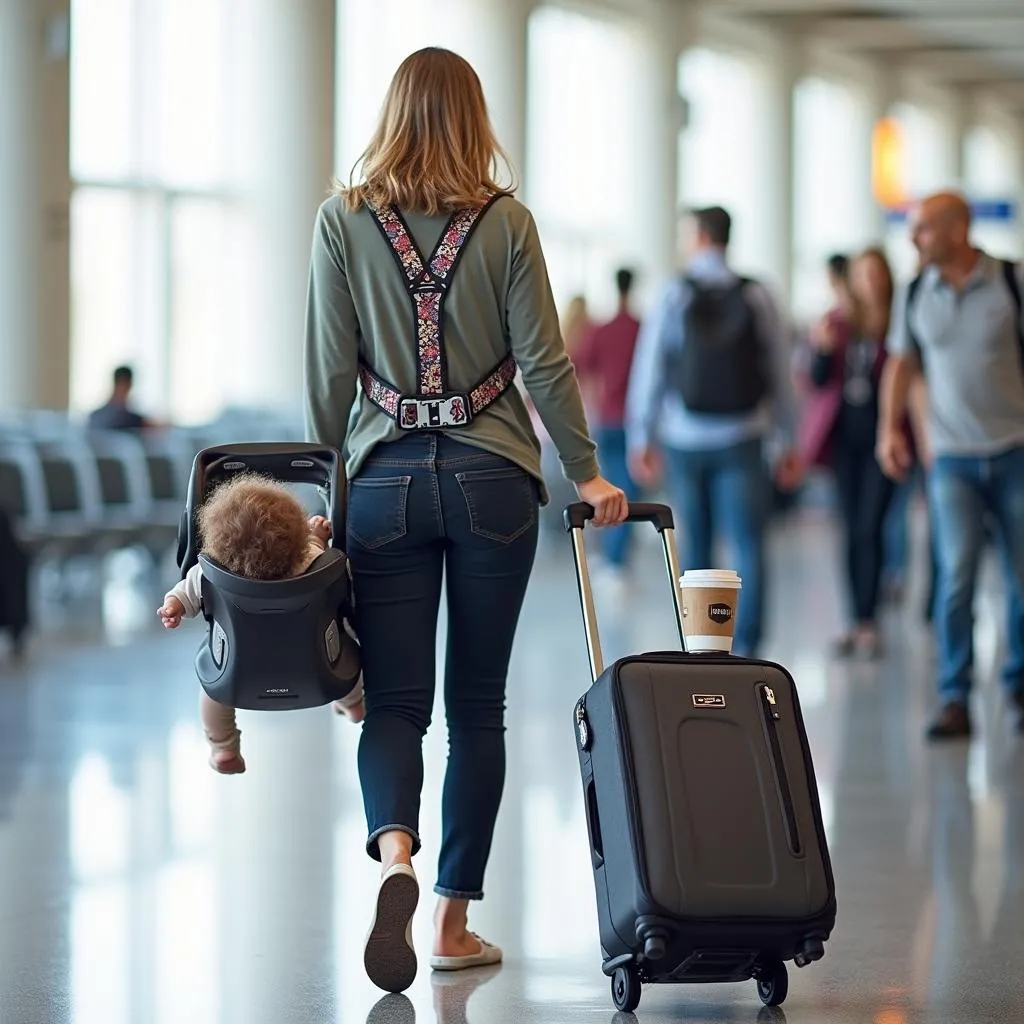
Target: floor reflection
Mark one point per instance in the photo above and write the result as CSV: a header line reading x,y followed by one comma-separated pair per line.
x,y
137,887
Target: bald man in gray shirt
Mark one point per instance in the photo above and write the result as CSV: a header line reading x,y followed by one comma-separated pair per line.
x,y
960,322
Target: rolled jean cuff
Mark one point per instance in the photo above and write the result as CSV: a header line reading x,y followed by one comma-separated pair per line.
x,y
455,894
373,847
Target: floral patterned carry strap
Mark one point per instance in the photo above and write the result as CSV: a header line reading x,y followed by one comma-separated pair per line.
x,y
427,282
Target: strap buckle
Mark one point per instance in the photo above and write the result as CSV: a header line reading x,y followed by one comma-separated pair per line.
x,y
451,410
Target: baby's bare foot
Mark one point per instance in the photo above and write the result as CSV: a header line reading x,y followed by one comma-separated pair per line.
x,y
226,754
227,762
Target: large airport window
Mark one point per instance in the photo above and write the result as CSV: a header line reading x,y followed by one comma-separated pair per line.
x,y
153,155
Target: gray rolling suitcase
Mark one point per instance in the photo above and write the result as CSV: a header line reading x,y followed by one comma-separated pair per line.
x,y
706,838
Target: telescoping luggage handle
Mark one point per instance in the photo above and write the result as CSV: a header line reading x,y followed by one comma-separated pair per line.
x,y
660,516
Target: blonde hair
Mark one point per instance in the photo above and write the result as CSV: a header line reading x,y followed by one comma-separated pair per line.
x,y
254,527
575,323
434,148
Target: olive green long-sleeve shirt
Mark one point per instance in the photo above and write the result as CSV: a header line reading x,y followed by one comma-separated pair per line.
x,y
499,300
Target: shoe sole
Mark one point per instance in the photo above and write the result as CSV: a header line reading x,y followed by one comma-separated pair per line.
x,y
389,960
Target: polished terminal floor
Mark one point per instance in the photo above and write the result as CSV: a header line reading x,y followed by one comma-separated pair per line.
x,y
140,888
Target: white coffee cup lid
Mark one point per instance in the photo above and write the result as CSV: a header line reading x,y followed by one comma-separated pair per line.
x,y
710,578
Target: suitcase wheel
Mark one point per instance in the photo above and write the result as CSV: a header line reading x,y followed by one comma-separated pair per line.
x,y
773,983
626,988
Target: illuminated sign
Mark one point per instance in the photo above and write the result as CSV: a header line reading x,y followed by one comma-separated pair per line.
x,y
889,163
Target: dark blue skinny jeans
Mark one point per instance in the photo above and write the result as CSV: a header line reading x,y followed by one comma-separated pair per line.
x,y
423,508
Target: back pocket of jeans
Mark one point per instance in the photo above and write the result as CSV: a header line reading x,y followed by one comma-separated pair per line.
x,y
502,502
376,510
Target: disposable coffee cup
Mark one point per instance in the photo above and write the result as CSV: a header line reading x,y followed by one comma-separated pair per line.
x,y
710,598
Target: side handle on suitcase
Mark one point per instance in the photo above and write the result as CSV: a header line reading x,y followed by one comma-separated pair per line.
x,y
593,822
576,516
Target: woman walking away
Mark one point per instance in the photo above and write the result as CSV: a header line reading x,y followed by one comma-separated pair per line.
x,y
428,286
849,350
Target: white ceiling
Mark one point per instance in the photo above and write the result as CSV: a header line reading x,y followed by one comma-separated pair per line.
x,y
976,44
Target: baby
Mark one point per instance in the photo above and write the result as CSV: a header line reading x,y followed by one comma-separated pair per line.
x,y
255,528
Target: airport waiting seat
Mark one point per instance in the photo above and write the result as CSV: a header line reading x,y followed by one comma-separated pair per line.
x,y
73,502
123,478
23,493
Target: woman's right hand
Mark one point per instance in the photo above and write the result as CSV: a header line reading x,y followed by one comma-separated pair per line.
x,y
608,501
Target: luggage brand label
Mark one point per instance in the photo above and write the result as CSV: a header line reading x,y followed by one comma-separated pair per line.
x,y
709,700
720,613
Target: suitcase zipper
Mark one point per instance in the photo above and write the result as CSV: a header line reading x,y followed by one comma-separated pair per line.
x,y
771,719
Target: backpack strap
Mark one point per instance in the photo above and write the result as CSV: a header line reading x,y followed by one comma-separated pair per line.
x,y
912,289
1010,276
427,281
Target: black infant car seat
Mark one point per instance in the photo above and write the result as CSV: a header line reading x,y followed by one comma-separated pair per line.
x,y
273,645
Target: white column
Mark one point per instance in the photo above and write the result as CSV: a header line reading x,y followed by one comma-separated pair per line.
x,y
663,36
35,192
285,103
958,118
782,71
493,35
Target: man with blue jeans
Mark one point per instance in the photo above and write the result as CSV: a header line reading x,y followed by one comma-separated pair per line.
x,y
603,362
715,464
961,322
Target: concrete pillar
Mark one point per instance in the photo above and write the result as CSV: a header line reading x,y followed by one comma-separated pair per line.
x,y
35,193
493,35
783,68
284,97
663,35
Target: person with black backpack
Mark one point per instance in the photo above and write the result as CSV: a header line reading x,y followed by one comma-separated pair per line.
x,y
710,382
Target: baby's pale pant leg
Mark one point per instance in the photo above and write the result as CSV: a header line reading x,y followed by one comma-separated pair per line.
x,y
218,720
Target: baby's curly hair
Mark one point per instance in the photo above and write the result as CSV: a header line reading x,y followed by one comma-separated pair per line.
x,y
254,527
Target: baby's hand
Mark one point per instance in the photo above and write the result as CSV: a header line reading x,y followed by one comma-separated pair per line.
x,y
171,612
320,528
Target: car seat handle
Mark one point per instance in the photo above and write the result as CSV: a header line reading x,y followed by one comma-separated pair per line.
x,y
287,462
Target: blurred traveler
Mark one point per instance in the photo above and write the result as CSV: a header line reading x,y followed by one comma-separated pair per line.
x,y
960,320
603,361
444,471
710,379
840,425
117,414
576,324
